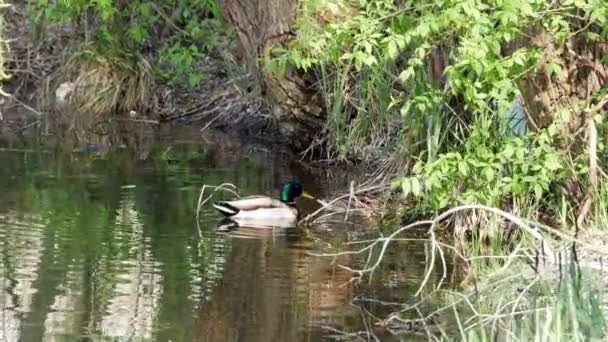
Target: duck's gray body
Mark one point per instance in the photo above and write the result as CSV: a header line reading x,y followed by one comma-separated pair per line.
x,y
259,211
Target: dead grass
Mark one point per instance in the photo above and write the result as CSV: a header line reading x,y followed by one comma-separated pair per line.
x,y
91,90
103,86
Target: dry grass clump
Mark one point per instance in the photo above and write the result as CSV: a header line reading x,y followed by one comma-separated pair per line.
x,y
483,229
100,86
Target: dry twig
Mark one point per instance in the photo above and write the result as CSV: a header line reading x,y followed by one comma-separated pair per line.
x,y
229,187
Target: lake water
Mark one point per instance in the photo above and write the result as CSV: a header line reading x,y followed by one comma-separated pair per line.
x,y
108,248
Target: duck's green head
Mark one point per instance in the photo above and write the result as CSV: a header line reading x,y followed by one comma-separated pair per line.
x,y
291,190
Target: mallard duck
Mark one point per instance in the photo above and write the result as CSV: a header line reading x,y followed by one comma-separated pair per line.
x,y
263,210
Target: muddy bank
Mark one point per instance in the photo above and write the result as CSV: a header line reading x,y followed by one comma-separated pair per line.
x,y
47,90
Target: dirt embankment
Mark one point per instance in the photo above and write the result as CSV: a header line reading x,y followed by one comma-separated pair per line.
x,y
87,103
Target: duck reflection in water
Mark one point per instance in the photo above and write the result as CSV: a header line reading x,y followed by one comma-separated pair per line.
x,y
236,229
275,290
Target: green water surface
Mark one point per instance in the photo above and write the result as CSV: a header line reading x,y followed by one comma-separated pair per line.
x,y
107,248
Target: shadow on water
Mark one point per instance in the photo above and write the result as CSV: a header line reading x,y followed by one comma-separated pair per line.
x,y
108,247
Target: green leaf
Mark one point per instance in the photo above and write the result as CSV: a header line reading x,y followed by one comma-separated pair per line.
x,y
555,67
592,36
416,188
518,59
463,168
538,191
195,78
598,15
370,60
530,179
443,202
392,50
396,184
489,173
406,187
138,33
423,29
405,108
406,74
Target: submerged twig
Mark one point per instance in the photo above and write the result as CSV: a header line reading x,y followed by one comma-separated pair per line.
x,y
350,198
351,195
229,187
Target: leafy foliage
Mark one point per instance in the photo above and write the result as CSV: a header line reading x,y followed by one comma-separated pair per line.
x,y
180,31
403,36
489,170
453,68
371,33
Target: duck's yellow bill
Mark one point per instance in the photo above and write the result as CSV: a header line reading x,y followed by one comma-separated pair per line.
x,y
307,195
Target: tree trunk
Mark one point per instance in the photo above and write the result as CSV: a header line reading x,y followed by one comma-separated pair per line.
x,y
546,94
261,25
582,75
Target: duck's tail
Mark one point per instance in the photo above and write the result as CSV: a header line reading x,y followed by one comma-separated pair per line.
x,y
226,225
226,208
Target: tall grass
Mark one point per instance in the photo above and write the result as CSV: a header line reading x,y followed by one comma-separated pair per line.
x,y
334,92
565,308
600,205
364,114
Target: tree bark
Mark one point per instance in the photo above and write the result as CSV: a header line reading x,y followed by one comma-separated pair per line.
x,y
260,26
546,94
583,75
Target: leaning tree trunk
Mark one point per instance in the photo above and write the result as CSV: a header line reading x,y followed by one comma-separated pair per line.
x,y
583,74
260,26
546,94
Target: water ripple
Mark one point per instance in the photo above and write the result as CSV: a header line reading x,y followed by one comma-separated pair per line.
x,y
115,253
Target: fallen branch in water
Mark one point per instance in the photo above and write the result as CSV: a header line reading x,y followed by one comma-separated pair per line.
x,y
351,196
398,322
506,303
532,228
